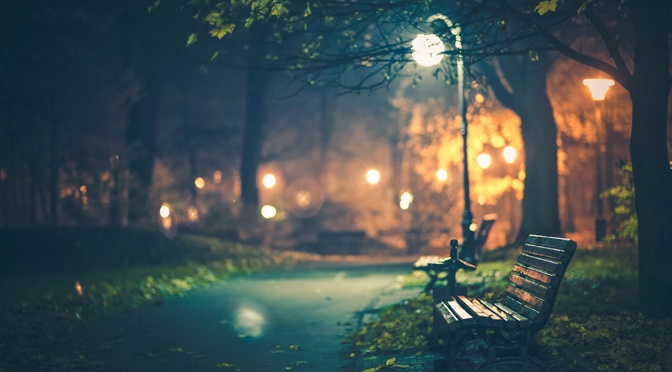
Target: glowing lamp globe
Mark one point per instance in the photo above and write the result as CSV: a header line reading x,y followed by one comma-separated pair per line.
x,y
427,49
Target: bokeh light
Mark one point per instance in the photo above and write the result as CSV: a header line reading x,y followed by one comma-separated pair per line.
x,y
484,160
473,226
249,323
304,198
200,183
442,175
269,181
217,177
372,176
509,154
164,211
268,211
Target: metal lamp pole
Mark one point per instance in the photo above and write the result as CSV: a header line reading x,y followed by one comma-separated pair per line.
x,y
428,51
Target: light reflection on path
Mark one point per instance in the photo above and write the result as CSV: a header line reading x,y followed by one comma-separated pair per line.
x,y
291,320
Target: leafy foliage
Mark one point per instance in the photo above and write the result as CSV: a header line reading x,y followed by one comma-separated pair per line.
x,y
623,195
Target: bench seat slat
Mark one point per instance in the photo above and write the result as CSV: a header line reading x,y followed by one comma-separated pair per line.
x,y
522,321
509,321
538,275
451,319
495,320
479,315
546,265
525,310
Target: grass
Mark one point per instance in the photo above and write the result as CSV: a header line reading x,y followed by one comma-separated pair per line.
x,y
595,316
56,280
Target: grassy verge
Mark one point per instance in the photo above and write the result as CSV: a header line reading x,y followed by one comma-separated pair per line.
x,y
595,317
95,272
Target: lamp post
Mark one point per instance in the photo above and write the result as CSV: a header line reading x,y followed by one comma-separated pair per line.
x,y
598,90
428,50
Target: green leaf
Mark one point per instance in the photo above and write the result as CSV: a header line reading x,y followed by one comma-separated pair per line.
x,y
307,12
545,6
192,39
153,6
214,55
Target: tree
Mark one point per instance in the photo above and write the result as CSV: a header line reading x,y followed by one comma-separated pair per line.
x,y
371,41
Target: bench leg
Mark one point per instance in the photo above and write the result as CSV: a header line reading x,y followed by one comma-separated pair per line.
x,y
524,358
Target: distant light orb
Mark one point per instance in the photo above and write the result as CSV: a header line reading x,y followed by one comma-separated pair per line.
x,y
192,213
427,49
404,205
269,181
200,183
484,160
441,174
303,198
268,211
482,200
473,226
167,223
217,176
509,154
406,196
372,177
164,211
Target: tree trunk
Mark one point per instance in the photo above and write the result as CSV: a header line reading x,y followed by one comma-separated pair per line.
x,y
141,143
520,85
650,161
252,138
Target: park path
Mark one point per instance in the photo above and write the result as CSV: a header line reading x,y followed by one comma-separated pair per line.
x,y
293,319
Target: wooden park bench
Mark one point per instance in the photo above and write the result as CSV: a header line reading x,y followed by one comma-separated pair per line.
x,y
507,328
432,265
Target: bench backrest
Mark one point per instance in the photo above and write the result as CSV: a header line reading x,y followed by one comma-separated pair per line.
x,y
484,230
536,277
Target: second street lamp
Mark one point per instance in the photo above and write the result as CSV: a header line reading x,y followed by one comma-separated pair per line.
x,y
598,89
428,51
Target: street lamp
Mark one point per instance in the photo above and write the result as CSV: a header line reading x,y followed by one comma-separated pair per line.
x,y
598,89
426,49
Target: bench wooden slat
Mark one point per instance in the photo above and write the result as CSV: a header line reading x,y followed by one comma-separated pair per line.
x,y
509,321
523,309
451,319
528,298
479,315
536,274
550,252
521,320
547,265
528,285
495,320
566,245
465,318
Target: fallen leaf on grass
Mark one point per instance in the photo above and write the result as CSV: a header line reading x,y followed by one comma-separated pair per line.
x,y
224,365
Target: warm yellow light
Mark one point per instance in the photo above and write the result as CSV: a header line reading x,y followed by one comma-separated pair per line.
x,y
268,211
167,223
372,176
510,154
82,189
200,183
78,288
598,87
404,205
303,198
164,211
269,181
484,160
407,197
482,200
442,175
427,49
192,214
217,176
473,226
